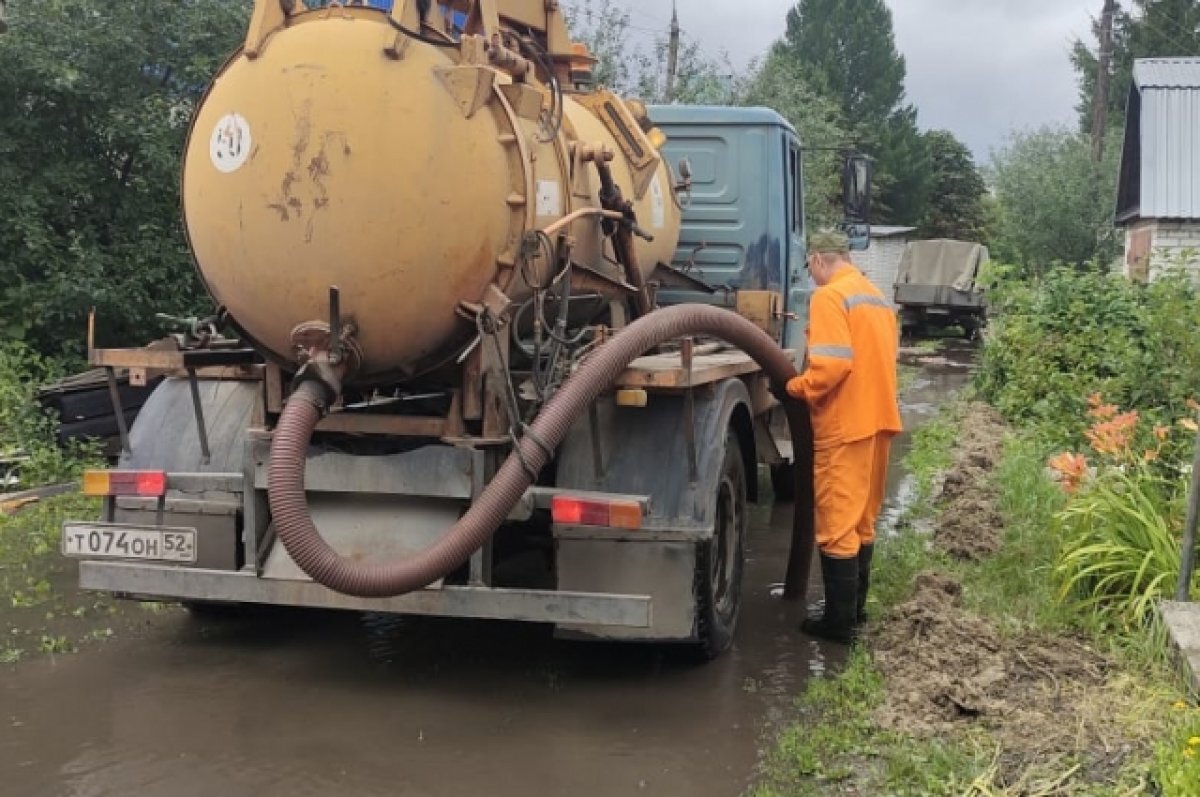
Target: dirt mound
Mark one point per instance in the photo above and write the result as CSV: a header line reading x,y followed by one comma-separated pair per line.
x,y
947,669
969,525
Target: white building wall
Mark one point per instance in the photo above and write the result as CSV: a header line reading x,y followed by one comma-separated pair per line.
x,y
1154,245
881,262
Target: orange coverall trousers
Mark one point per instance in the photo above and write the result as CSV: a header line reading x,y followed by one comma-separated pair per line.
x,y
851,483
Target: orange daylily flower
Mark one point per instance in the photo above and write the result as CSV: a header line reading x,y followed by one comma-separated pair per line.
x,y
1104,411
1161,432
1113,436
1071,469
1189,424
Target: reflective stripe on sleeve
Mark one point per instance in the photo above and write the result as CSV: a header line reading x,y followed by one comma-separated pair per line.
x,y
867,299
837,352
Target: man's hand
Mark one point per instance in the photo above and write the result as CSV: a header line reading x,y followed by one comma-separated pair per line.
x,y
785,393
795,388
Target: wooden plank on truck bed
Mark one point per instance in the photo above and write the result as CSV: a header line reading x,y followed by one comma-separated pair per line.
x,y
666,371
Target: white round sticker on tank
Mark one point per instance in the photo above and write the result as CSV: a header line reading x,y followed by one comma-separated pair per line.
x,y
230,145
658,204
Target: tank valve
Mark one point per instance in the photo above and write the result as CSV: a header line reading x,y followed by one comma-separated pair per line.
x,y
326,357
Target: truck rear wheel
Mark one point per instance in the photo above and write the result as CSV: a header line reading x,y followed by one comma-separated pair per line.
x,y
721,559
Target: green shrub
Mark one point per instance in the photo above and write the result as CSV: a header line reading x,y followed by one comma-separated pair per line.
x,y
26,430
1074,333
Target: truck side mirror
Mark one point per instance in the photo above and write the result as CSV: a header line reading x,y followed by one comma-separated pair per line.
x,y
857,174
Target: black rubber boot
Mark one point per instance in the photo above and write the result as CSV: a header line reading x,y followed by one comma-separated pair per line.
x,y
864,580
841,601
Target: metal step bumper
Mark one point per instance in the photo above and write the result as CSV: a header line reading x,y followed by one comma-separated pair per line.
x,y
536,606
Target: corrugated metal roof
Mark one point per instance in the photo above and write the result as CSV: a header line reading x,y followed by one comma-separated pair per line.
x,y
1167,73
1160,170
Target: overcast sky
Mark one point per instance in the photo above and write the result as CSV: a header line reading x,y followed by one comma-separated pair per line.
x,y
976,67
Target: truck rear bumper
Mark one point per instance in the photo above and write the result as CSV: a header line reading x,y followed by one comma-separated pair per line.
x,y
536,606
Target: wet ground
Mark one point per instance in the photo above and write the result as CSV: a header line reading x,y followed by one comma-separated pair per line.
x,y
291,703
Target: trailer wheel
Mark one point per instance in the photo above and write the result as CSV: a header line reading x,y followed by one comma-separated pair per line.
x,y
720,562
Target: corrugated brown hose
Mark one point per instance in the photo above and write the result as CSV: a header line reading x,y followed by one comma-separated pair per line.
x,y
294,526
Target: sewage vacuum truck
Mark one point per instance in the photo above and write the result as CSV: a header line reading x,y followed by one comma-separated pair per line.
x,y
503,343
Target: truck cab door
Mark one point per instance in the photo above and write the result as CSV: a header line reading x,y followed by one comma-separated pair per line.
x,y
799,286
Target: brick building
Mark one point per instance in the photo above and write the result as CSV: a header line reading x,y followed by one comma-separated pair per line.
x,y
1158,197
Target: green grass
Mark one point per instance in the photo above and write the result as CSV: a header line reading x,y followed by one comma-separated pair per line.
x,y
835,747
28,541
906,375
931,453
1017,586
39,618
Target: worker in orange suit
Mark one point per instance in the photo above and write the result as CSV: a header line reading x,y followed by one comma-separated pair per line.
x,y
849,384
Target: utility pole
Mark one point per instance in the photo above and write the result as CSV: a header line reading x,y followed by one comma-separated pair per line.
x,y
1104,31
673,54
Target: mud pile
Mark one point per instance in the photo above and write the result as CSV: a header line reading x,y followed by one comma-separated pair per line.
x,y
969,525
946,666
1048,703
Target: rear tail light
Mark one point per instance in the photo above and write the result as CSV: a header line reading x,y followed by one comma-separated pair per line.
x,y
149,483
569,511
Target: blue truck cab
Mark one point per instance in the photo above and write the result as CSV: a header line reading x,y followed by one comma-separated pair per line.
x,y
744,222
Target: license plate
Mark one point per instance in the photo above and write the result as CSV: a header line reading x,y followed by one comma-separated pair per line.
x,y
103,541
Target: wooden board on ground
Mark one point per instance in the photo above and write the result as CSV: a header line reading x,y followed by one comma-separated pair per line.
x,y
666,371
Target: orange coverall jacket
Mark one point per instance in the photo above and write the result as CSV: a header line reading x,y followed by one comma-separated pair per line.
x,y
850,380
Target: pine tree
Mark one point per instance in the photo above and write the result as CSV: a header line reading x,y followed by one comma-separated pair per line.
x,y
847,48
956,208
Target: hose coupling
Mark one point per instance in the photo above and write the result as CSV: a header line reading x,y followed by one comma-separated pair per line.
x,y
324,373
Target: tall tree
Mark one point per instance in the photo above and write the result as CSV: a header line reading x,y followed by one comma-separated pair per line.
x,y
605,28
1151,29
848,49
780,84
1055,203
97,97
641,70
956,208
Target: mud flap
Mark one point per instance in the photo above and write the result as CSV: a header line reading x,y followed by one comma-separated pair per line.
x,y
643,451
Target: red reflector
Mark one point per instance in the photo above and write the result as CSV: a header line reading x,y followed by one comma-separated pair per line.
x,y
151,483
583,512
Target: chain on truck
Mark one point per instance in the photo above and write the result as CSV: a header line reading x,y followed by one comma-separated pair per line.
x,y
503,342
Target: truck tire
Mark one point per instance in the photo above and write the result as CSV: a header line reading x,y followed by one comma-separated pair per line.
x,y
721,560
783,482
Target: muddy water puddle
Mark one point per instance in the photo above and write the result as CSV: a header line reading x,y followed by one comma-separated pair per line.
x,y
302,703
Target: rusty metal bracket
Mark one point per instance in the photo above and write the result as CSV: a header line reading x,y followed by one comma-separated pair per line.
x,y
198,408
268,17
114,395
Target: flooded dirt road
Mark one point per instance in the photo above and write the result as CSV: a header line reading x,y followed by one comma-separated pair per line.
x,y
291,703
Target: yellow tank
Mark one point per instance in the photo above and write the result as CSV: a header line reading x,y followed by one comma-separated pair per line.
x,y
334,150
